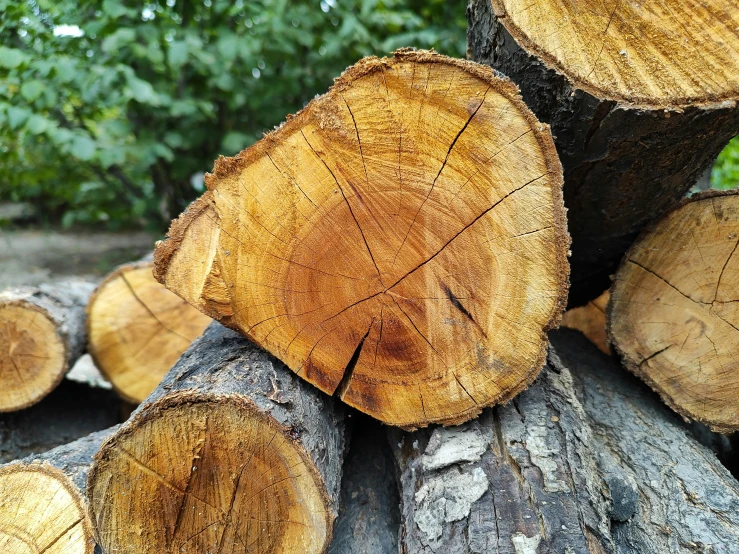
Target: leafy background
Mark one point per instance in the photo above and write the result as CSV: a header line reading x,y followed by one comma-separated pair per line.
x,y
111,111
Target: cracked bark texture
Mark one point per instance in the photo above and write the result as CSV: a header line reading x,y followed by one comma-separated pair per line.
x,y
369,517
42,505
386,243
673,314
231,452
521,479
138,329
71,411
42,334
669,493
627,157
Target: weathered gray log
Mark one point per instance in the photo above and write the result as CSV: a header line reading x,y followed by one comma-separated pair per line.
x,y
41,336
623,165
231,452
669,493
71,411
521,479
42,505
369,516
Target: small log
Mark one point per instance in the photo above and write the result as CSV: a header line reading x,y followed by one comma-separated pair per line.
x,y
42,333
138,329
42,506
521,479
668,493
71,411
673,313
388,243
641,98
590,319
369,517
231,453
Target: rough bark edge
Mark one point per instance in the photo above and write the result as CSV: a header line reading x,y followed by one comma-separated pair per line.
x,y
118,272
641,103
151,412
57,474
626,361
231,166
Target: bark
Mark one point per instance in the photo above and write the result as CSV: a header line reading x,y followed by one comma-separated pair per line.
x,y
369,518
669,493
195,434
71,411
623,166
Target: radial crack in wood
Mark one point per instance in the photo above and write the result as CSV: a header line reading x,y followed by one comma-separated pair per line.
x,y
419,199
673,314
138,329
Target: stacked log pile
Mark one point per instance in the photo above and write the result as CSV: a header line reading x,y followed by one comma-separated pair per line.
x,y
400,248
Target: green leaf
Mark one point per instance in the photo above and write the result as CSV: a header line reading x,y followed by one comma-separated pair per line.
x,y
142,91
177,54
11,57
17,116
114,9
228,45
119,39
82,148
37,124
112,156
31,90
235,142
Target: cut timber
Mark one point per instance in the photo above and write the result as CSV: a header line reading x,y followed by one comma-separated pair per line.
x,y
399,243
369,518
71,411
42,333
669,494
42,508
640,95
674,311
590,319
138,329
232,453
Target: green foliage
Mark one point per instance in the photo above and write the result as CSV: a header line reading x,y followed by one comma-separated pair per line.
x,y
118,125
725,172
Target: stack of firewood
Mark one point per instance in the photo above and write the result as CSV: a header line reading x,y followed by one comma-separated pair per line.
x,y
384,271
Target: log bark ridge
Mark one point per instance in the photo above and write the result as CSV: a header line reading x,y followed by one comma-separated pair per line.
x,y
42,333
232,452
138,329
673,314
42,506
633,98
369,518
669,493
402,257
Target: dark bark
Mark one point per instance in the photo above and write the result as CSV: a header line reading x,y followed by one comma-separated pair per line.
x,y
622,166
369,518
71,411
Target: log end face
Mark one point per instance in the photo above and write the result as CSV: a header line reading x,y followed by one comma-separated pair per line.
x,y
33,354
196,474
41,511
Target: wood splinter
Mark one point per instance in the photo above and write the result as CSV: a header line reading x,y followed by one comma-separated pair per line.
x,y
400,243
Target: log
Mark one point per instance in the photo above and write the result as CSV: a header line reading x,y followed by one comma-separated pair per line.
x,y
71,411
231,453
369,517
521,479
673,314
387,243
669,494
138,329
641,98
590,319
42,333
42,505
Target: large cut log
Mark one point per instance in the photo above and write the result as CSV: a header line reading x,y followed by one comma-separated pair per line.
x,y
641,97
42,333
669,494
42,506
231,453
369,518
673,314
521,479
138,329
71,411
399,243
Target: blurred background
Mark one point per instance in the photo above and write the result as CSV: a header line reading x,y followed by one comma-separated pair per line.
x,y
111,112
